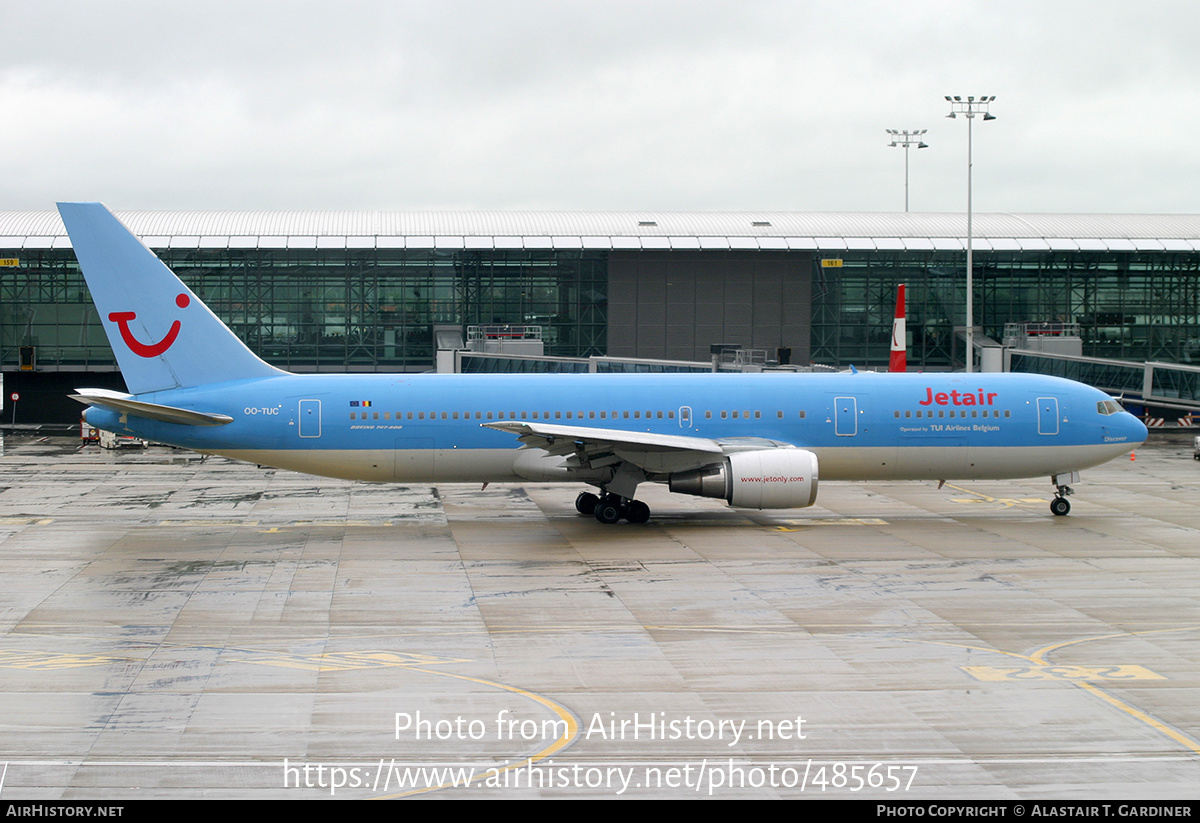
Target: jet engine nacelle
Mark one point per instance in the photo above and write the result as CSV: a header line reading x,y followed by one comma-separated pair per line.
x,y
763,479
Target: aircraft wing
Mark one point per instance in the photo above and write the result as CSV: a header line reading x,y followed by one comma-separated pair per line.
x,y
652,453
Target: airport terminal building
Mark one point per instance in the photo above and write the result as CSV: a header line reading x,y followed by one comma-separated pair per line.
x,y
363,290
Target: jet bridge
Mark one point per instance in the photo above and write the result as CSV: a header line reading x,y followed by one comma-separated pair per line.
x,y
1165,385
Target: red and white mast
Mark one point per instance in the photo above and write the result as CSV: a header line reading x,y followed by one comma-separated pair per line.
x,y
899,358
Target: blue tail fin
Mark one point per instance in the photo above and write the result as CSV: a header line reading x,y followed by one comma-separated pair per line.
x,y
164,336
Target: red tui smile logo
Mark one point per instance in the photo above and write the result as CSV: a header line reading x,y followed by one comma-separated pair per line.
x,y
122,318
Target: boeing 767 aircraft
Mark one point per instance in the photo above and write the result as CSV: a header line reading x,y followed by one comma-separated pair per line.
x,y
754,440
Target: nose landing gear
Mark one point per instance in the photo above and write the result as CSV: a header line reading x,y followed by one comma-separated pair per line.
x,y
1060,506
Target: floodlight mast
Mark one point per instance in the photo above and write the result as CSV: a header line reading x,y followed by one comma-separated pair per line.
x,y
968,107
905,139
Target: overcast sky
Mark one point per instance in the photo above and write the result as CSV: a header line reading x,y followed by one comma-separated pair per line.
x,y
576,105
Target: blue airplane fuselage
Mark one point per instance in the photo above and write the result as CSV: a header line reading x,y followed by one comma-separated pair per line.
x,y
755,440
861,426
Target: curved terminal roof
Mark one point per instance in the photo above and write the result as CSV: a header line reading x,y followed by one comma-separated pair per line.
x,y
626,230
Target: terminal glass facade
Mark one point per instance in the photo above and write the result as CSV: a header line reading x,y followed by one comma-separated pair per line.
x,y
1130,305
322,309
374,309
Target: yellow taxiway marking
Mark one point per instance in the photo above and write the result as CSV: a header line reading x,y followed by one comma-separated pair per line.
x,y
346,661
570,732
177,523
25,521
1156,724
1075,673
1179,737
341,661
797,525
291,524
980,497
1008,501
1038,659
14,659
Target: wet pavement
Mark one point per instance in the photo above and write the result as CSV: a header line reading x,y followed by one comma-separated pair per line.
x,y
175,626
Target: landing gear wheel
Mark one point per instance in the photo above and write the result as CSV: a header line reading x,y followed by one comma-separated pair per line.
x,y
1060,506
586,502
609,510
637,512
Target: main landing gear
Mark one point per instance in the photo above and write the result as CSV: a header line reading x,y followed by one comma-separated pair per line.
x,y
611,508
1060,505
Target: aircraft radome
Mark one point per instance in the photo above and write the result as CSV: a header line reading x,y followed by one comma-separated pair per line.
x,y
754,440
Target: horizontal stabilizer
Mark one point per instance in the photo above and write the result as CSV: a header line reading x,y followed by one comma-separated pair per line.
x,y
125,404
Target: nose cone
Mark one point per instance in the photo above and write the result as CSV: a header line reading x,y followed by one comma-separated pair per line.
x,y
1136,429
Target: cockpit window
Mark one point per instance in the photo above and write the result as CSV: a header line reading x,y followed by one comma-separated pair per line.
x,y
1107,407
